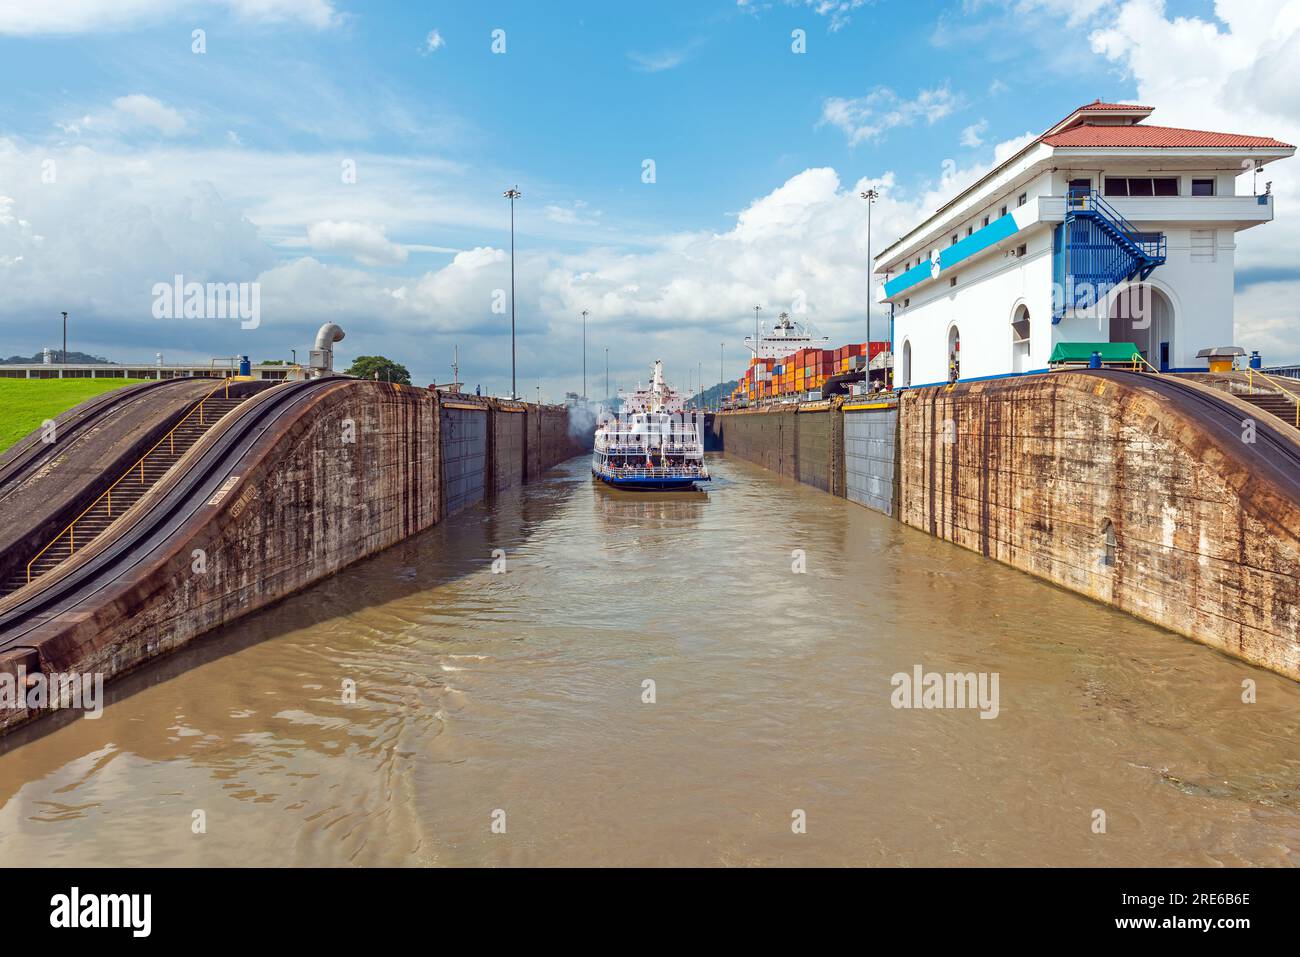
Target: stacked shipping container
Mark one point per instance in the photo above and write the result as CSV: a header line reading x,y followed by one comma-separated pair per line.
x,y
802,371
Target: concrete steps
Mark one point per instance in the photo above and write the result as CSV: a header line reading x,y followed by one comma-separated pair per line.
x,y
129,489
1282,406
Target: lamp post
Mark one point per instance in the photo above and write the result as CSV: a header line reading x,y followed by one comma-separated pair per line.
x,y
722,349
65,340
512,194
607,374
584,354
870,195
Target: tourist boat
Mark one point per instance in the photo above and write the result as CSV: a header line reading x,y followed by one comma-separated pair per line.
x,y
653,443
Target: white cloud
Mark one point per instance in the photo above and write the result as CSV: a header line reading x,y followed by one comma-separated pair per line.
x,y
663,59
973,135
365,243
1234,75
140,110
434,42
869,117
24,18
576,213
837,10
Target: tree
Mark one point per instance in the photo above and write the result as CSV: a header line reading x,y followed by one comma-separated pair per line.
x,y
365,367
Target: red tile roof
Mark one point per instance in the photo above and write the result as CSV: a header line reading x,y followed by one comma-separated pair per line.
x,y
1140,136
1098,105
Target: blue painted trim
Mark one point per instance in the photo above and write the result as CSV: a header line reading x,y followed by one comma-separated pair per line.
x,y
978,378
978,241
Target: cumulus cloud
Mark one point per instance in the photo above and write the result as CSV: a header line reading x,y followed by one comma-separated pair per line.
x,y
83,16
868,118
365,243
973,135
1235,74
434,42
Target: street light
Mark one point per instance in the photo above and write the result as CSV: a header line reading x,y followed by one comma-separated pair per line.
x,y
65,340
870,195
584,354
722,349
512,195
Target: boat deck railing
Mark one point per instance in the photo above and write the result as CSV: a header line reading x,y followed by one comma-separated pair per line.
x,y
658,472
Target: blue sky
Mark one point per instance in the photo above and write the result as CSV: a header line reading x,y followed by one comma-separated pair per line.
x,y
225,165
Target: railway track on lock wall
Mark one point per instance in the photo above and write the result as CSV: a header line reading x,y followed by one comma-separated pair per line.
x,y
152,528
31,454
1274,453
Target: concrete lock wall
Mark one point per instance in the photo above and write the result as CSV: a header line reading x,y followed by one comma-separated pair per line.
x,y
1029,472
307,502
871,478
1033,473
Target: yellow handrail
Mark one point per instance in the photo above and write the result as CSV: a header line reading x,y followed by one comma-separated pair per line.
x,y
108,492
1275,381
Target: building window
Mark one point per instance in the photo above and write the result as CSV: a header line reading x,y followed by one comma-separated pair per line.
x,y
986,220
1141,185
954,239
1202,187
1004,211
969,230
906,303
1024,198
1022,249
952,281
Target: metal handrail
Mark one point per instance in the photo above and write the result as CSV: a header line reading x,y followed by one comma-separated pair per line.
x,y
1091,199
672,471
170,437
1295,397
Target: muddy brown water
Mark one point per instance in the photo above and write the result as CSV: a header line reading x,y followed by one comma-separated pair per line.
x,y
522,692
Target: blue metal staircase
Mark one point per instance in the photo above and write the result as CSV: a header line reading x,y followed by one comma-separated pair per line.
x,y
1096,249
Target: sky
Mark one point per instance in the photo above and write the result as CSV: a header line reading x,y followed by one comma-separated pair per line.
x,y
679,163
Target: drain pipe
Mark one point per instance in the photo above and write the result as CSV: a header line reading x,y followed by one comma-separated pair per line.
x,y
322,355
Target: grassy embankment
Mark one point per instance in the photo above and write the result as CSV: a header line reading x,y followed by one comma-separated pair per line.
x,y
26,403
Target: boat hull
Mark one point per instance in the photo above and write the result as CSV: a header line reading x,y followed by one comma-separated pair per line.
x,y
648,484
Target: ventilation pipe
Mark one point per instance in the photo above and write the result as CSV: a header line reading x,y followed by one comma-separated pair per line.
x,y
322,355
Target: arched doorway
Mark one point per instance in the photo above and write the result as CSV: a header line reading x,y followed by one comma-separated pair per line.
x,y
907,362
1020,340
1144,316
954,354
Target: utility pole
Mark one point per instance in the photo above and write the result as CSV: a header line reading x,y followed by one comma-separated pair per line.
x,y
607,397
584,354
512,195
870,195
65,340
722,350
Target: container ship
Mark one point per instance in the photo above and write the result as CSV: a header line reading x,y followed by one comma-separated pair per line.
x,y
653,444
787,365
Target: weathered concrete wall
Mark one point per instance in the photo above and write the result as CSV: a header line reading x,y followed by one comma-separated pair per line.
x,y
306,504
509,445
870,447
805,445
1030,472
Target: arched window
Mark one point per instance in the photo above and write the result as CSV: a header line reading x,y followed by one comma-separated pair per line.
x,y
954,354
1108,545
907,362
1020,340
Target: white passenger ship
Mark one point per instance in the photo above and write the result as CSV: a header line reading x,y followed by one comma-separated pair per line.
x,y
653,443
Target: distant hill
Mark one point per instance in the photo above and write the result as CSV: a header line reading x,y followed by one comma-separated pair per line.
x,y
709,397
74,358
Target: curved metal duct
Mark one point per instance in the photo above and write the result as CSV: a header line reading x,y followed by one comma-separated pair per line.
x,y
322,355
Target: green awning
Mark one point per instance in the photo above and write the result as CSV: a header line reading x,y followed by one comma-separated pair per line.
x,y
1082,352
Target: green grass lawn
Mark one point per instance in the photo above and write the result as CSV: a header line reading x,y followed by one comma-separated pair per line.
x,y
26,403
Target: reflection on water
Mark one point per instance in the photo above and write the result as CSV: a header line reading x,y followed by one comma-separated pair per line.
x,y
523,691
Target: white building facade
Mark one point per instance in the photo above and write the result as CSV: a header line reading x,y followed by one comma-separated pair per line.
x,y
1104,229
